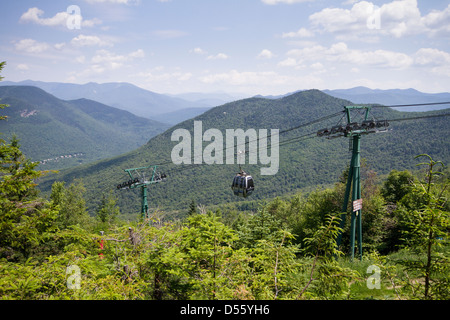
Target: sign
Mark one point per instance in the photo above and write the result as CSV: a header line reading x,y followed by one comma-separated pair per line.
x,y
357,205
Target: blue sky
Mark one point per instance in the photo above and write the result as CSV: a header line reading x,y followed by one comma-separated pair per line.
x,y
235,46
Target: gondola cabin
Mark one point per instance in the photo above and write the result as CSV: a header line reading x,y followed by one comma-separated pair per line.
x,y
243,185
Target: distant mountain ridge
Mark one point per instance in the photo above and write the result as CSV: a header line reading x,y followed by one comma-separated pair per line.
x,y
392,97
386,97
51,128
121,95
174,108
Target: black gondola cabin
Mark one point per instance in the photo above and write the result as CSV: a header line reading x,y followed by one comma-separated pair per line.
x,y
242,185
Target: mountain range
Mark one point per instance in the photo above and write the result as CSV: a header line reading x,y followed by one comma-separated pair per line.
x,y
175,108
390,97
61,133
303,163
126,96
393,97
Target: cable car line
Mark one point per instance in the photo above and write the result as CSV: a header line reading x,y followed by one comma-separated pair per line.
x,y
411,105
243,184
303,137
326,118
308,136
421,117
270,135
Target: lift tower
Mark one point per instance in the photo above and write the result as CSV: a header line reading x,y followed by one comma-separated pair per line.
x,y
354,130
142,178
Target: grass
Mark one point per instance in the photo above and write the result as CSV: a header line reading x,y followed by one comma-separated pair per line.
x,y
395,280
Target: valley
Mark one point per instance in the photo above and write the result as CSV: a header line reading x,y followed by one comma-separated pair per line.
x,y
303,165
51,128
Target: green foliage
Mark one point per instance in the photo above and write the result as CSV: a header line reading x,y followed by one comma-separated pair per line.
x,y
108,210
25,219
327,278
425,229
2,106
192,208
397,185
71,203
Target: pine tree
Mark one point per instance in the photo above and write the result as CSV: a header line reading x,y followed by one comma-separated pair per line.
x,y
2,106
426,229
25,219
71,202
192,208
108,210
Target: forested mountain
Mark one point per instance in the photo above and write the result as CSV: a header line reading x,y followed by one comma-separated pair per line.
x,y
303,164
65,133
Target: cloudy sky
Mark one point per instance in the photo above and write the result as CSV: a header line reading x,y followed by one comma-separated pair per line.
x,y
236,46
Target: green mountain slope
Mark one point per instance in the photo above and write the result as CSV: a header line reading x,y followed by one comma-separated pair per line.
x,y
303,164
66,133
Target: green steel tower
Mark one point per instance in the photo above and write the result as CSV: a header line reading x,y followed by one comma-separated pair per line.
x,y
140,178
354,130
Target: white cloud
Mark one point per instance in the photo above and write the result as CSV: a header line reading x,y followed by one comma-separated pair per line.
x,y
273,2
34,15
339,52
265,54
398,18
433,61
86,40
114,61
246,78
158,76
436,61
104,61
438,22
289,62
343,20
136,54
22,67
301,33
430,56
118,1
199,51
59,46
31,46
80,59
317,66
219,56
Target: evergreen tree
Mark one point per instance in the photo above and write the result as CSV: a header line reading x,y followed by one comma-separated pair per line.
x,y
71,202
25,219
108,210
192,208
426,228
397,185
2,106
